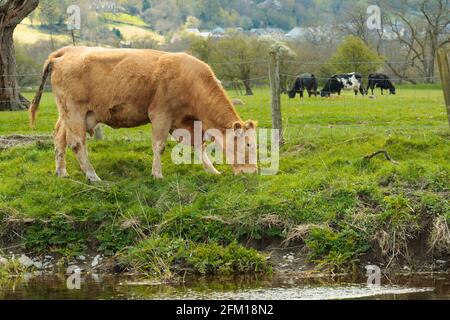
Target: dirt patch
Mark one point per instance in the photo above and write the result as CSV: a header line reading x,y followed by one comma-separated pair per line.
x,y
7,142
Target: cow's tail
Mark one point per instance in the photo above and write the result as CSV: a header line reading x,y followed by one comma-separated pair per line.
x,y
37,98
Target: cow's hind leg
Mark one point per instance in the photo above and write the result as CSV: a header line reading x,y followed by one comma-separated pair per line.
x,y
76,138
60,141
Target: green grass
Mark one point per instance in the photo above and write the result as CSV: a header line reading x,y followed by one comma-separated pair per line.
x,y
123,18
189,220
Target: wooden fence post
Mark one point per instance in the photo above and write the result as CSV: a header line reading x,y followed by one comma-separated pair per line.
x,y
277,121
444,69
98,133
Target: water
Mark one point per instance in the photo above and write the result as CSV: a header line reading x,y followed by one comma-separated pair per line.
x,y
95,287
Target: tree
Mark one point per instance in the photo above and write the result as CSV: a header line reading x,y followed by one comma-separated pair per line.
x,y
423,33
355,23
235,57
164,16
192,22
12,12
354,55
145,5
52,12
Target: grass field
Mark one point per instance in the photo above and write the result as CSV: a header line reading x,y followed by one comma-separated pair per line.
x,y
131,28
326,198
26,34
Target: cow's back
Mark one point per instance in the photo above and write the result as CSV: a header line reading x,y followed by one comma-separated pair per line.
x,y
115,84
123,87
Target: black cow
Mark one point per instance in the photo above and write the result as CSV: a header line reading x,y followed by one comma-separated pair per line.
x,y
304,82
381,81
346,81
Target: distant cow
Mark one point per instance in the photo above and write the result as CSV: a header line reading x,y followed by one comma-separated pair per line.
x,y
126,88
381,81
346,81
304,82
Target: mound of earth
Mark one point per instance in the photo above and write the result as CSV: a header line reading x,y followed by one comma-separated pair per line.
x,y
7,142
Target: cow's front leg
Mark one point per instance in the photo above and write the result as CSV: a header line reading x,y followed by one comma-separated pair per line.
x,y
160,132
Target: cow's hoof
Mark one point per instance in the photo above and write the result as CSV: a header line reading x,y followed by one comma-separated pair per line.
x,y
157,176
92,178
62,174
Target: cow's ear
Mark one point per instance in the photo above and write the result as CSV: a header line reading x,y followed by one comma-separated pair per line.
x,y
237,126
250,124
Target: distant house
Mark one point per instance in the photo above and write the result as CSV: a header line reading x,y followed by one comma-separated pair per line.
x,y
258,31
276,32
205,34
197,32
297,33
218,31
268,32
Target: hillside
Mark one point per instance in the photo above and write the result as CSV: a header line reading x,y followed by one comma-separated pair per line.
x,y
130,29
170,15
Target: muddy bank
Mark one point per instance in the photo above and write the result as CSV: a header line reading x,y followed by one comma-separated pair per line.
x,y
292,262
7,142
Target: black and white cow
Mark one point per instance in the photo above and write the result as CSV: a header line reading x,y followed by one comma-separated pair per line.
x,y
305,81
346,81
381,81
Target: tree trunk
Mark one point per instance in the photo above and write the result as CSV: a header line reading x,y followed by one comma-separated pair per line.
x,y
248,87
10,98
12,12
431,68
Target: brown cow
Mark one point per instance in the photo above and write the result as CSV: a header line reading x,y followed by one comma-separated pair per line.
x,y
125,88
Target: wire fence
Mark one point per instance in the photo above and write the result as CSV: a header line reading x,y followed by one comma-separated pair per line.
x,y
411,107
418,102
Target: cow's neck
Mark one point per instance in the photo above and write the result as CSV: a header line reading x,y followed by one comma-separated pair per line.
x,y
221,114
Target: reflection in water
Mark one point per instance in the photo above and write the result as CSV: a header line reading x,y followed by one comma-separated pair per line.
x,y
242,287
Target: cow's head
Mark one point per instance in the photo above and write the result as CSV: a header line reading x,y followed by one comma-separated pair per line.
x,y
392,90
292,94
241,147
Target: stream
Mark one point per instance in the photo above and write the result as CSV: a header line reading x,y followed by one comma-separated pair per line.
x,y
275,287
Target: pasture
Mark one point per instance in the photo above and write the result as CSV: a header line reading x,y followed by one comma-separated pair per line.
x,y
131,28
335,208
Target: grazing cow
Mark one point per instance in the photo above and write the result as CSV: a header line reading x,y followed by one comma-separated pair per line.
x,y
304,82
125,88
381,81
346,81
